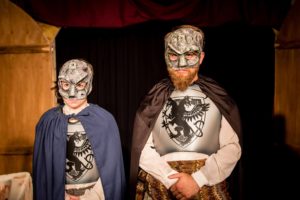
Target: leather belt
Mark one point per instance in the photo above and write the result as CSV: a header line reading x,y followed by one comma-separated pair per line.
x,y
78,191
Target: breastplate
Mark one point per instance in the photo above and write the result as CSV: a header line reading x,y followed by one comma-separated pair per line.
x,y
80,163
189,121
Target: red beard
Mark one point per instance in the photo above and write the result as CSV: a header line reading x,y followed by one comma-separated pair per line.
x,y
182,82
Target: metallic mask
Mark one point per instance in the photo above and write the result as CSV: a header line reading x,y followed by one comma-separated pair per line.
x,y
183,47
75,79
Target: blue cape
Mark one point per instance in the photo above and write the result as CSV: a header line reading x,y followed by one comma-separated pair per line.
x,y
49,155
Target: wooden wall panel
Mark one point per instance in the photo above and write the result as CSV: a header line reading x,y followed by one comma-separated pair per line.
x,y
287,93
287,76
26,81
27,73
15,163
16,27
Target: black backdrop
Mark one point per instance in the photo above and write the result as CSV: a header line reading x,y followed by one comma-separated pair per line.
x,y
129,61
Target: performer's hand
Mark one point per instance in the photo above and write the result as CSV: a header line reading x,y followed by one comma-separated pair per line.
x,y
176,193
185,187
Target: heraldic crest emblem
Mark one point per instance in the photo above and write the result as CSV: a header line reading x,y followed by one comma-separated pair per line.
x,y
184,118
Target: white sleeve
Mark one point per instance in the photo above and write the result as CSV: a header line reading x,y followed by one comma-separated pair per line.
x,y
154,164
219,165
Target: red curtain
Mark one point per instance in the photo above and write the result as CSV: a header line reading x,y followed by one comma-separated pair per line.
x,y
121,13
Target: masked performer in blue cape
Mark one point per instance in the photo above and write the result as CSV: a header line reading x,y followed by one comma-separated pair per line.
x,y
186,130
77,147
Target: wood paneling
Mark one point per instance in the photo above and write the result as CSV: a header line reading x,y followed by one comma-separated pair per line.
x,y
287,93
287,77
26,81
27,74
18,28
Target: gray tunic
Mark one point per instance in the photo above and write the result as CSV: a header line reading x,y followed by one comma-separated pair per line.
x,y
80,164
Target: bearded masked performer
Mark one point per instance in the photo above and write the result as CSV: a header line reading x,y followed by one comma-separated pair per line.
x,y
77,149
185,136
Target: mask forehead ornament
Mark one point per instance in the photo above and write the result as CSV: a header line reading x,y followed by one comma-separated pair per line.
x,y
183,47
75,79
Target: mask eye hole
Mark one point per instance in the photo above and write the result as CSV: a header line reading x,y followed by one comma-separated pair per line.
x,y
173,56
81,85
65,85
191,55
